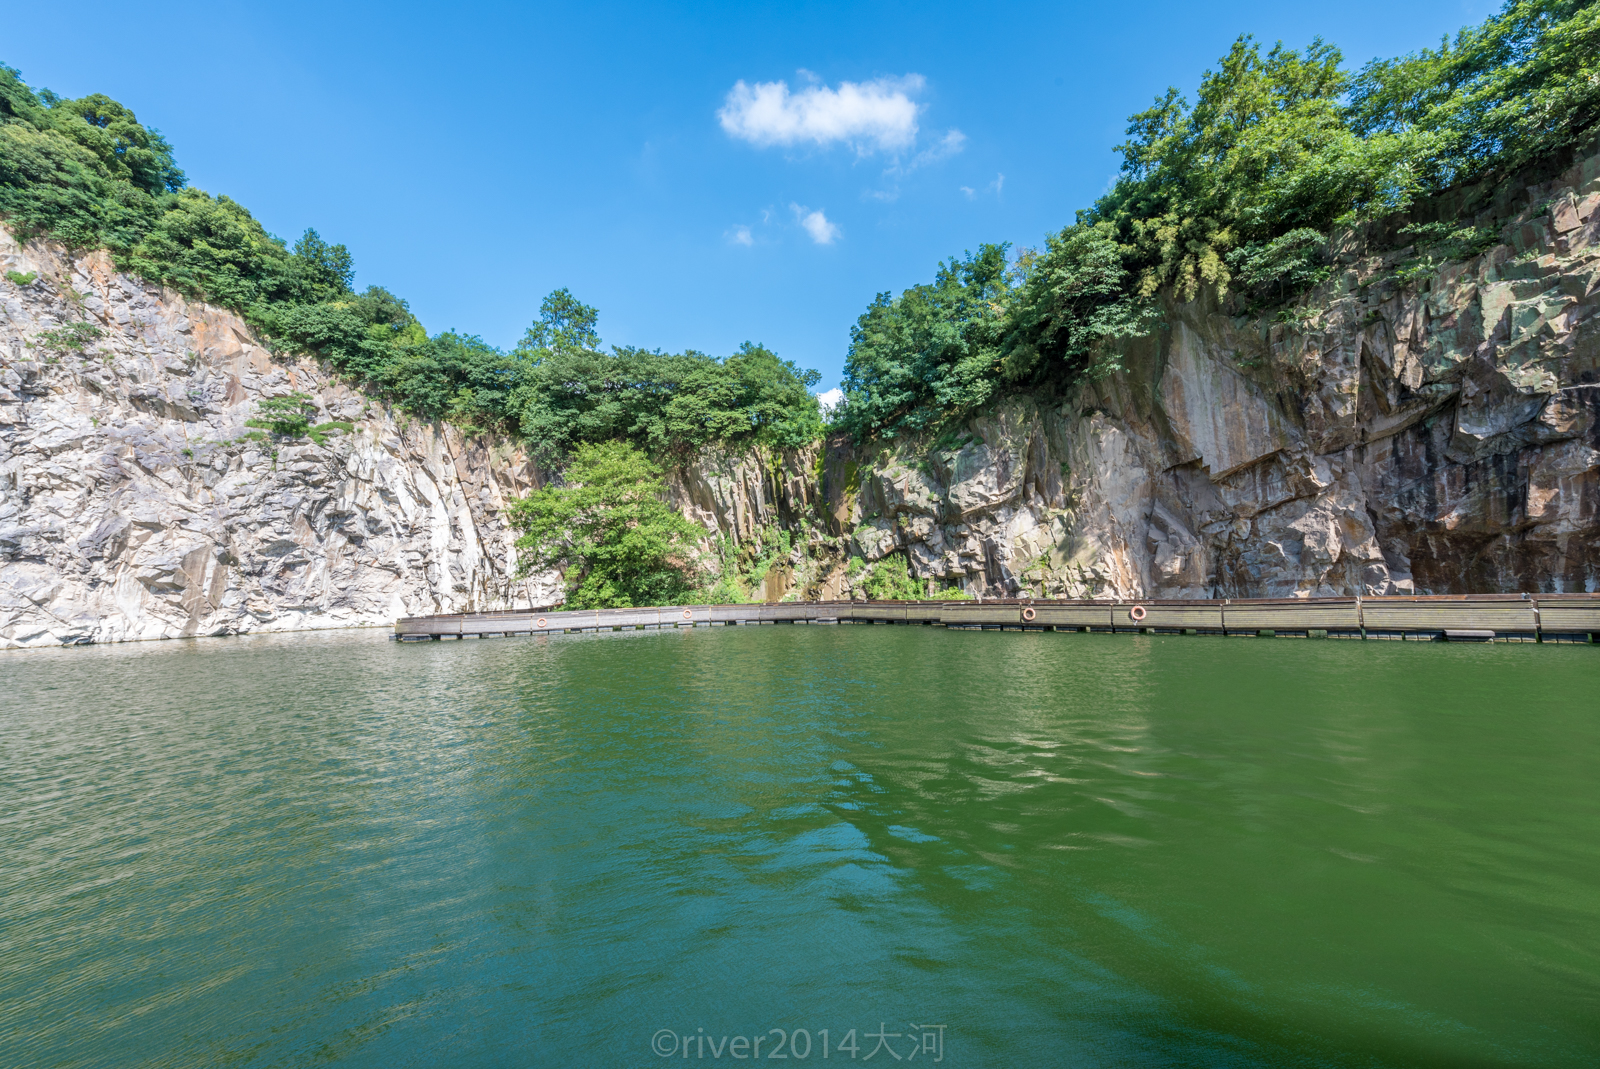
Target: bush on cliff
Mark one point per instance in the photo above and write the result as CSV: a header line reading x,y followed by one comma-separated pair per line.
x,y
1236,192
890,579
611,531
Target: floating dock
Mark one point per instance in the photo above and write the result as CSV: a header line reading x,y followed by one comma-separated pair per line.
x,y
1430,618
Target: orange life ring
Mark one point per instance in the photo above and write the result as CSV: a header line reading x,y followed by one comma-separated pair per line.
x,y
688,614
1028,613
1137,612
539,622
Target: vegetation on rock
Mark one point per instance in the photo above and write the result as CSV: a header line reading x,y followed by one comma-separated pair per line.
x,y
72,337
87,173
890,580
611,529
289,415
1237,192
744,568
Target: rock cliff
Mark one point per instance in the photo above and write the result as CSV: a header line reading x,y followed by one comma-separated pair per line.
x,y
1404,427
134,503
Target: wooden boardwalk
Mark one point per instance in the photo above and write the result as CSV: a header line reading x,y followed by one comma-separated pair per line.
x,y
1449,617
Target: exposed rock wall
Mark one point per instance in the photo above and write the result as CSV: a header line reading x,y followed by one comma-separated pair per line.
x,y
1431,433
1386,435
133,506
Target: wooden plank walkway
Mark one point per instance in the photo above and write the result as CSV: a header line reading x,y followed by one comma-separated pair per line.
x,y
1449,617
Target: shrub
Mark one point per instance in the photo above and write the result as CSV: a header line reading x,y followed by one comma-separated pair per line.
x,y
320,432
288,416
70,338
891,580
611,529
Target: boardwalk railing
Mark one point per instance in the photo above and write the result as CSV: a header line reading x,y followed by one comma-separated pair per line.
x,y
1455,617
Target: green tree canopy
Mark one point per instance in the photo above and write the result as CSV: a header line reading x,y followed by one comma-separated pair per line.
x,y
933,350
669,404
88,173
610,528
1237,192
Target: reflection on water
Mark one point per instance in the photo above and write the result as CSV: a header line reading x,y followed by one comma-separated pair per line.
x,y
1066,849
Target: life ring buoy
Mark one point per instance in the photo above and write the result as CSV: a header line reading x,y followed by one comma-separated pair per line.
x,y
688,614
1028,613
539,622
1137,612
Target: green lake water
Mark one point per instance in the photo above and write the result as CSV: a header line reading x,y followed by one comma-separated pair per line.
x,y
1064,849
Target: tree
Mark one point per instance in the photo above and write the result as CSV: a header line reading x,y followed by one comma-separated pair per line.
x,y
289,415
564,323
932,352
1072,299
329,269
610,526
667,403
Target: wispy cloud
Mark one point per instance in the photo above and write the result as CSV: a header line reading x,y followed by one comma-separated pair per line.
x,y
877,115
816,224
949,145
994,187
740,235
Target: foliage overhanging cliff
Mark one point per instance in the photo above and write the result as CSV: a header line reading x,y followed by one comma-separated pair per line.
x,y
1239,192
85,172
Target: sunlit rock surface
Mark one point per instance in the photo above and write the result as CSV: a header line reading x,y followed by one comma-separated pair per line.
x,y
133,507
1384,436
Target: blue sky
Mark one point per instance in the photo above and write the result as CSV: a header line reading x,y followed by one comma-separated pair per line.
x,y
475,156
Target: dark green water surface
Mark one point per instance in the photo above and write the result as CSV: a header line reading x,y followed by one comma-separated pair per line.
x,y
1065,849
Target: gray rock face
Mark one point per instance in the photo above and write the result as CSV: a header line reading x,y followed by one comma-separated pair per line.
x,y
1437,434
133,506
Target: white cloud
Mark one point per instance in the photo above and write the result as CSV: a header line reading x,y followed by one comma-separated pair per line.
x,y
740,235
830,400
993,187
816,224
879,114
951,143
